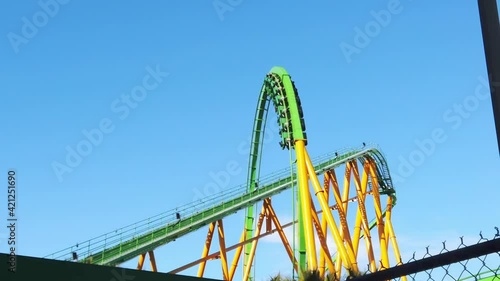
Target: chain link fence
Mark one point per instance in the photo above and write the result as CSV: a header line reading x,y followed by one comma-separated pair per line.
x,y
476,261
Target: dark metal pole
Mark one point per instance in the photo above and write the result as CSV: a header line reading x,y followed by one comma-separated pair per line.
x,y
443,259
488,13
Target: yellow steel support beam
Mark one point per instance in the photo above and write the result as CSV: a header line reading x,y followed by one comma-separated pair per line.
x,y
142,259
341,205
345,202
322,239
251,256
140,264
330,177
346,251
305,204
361,215
379,216
361,221
367,234
347,185
386,233
237,256
345,205
269,221
238,245
357,224
281,233
347,245
152,261
342,211
206,249
322,254
392,236
222,244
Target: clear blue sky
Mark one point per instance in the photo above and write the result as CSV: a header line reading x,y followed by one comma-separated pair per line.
x,y
418,72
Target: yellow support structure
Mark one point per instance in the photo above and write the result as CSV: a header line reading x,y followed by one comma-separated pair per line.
x,y
281,233
322,254
356,190
305,205
279,90
206,249
140,264
246,273
322,239
223,255
152,261
237,256
345,251
379,217
361,215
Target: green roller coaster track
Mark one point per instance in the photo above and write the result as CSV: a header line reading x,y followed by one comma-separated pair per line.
x,y
126,243
279,89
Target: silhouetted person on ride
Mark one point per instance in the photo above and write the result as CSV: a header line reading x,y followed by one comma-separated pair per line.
x,y
178,217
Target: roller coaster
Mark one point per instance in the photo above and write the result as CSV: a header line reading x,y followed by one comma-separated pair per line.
x,y
351,209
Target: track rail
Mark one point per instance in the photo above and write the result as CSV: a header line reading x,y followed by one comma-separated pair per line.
x,y
129,242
